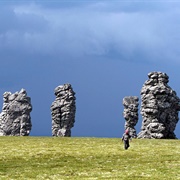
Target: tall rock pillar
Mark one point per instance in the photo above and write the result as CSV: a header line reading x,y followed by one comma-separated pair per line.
x,y
130,113
15,117
63,111
159,108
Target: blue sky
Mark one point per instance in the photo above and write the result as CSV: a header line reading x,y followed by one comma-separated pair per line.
x,y
104,49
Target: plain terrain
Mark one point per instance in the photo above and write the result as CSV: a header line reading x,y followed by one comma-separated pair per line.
x,y
88,158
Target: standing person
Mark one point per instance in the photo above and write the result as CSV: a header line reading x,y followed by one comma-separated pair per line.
x,y
125,138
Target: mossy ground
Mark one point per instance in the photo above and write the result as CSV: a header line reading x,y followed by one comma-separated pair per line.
x,y
88,158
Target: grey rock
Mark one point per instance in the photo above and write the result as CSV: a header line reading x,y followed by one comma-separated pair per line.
x,y
130,113
15,117
63,111
159,108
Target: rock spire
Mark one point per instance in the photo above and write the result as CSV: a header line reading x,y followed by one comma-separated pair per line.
x,y
63,111
159,107
130,114
15,117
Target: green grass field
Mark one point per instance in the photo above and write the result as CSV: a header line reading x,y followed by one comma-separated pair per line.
x,y
88,158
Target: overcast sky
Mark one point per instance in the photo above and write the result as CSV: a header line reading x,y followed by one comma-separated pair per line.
x,y
104,49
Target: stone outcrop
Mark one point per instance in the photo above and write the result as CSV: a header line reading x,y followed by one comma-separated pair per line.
x,y
130,114
63,111
15,117
159,107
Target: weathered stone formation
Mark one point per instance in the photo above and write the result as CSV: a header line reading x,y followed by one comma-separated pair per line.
x,y
63,111
15,117
159,108
130,114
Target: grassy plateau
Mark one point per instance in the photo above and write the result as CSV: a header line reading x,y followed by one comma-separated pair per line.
x,y
88,158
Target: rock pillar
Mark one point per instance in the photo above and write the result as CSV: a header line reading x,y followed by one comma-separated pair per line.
x,y
63,111
130,114
15,117
159,107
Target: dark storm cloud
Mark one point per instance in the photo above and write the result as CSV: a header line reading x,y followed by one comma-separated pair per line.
x,y
100,28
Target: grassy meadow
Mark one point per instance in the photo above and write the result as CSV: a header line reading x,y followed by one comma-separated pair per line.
x,y
88,158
